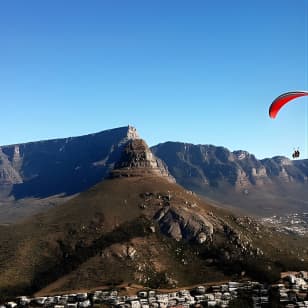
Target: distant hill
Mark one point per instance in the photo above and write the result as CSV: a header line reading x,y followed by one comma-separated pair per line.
x,y
262,187
138,226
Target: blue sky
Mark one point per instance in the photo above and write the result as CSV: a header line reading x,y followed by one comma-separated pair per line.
x,y
192,71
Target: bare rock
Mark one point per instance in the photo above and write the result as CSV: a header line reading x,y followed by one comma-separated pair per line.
x,y
181,224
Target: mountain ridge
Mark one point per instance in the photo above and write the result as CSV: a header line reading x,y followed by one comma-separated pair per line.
x,y
96,152
237,177
50,171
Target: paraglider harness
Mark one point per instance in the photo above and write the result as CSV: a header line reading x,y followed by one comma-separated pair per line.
x,y
296,154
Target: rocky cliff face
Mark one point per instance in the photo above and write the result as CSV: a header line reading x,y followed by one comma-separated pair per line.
x,y
8,174
217,165
137,160
237,177
70,165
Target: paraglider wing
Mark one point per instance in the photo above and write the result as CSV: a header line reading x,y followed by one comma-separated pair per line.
x,y
283,99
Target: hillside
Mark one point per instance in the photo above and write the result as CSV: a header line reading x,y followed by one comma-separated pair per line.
x,y
139,226
261,187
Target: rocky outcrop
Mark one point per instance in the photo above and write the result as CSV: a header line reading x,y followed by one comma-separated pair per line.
x,y
138,160
8,174
180,223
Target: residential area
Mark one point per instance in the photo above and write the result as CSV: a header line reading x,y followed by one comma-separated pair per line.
x,y
290,292
294,223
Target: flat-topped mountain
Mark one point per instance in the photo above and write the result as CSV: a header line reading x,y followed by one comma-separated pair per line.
x,y
69,165
35,176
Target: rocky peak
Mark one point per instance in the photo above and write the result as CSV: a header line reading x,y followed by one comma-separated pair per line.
x,y
137,160
8,175
132,133
136,154
239,155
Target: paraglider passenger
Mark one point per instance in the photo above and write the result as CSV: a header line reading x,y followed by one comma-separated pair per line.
x,y
296,154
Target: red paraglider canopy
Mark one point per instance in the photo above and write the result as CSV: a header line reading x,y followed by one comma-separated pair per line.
x,y
283,99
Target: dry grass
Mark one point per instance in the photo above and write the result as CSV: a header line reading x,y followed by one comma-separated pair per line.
x,y
71,245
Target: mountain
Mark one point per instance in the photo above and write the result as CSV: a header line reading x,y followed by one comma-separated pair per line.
x,y
39,175
69,165
262,187
138,226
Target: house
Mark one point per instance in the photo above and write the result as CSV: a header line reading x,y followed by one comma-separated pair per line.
x,y
144,301
224,288
290,278
209,296
23,300
300,282
172,302
40,300
303,274
216,288
190,300
72,298
173,295
285,274
234,284
63,300
84,304
264,299
142,294
200,290
50,301
184,293
211,303
113,293
81,297
226,296
151,300
217,295
181,300
135,304
283,296
200,298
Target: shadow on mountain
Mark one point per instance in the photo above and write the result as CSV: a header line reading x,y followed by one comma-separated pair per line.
x,y
48,184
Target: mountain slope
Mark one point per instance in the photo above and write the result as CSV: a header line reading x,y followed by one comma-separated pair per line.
x,y
37,175
138,226
237,178
70,165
